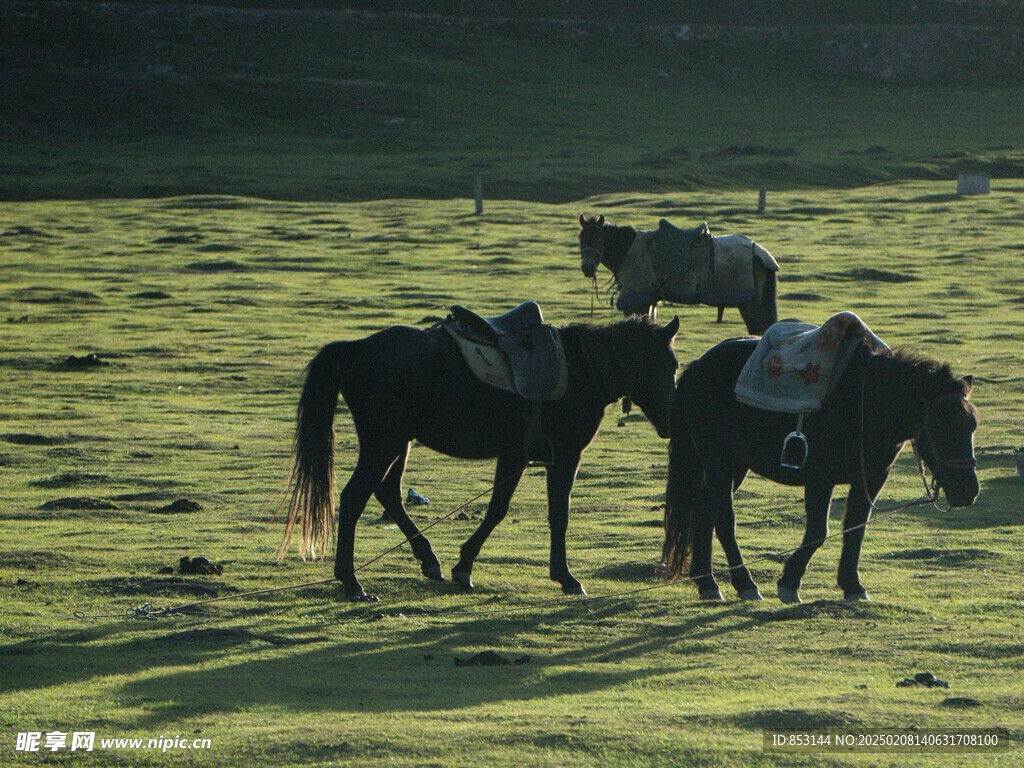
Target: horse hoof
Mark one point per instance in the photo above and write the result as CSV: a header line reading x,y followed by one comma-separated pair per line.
x,y
574,588
752,594
361,597
433,572
713,595
462,579
788,596
856,597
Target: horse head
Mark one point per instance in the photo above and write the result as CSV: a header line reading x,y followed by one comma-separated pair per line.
x,y
945,443
655,372
591,243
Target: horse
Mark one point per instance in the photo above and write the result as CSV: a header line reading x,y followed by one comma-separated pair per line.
x,y
403,384
607,244
882,401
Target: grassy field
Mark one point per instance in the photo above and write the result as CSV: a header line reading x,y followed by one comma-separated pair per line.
x,y
205,310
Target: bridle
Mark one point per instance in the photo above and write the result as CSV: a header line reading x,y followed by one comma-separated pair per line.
x,y
941,463
931,489
598,256
584,249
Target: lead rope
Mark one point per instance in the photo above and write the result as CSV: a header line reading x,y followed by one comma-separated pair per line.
x,y
931,495
147,612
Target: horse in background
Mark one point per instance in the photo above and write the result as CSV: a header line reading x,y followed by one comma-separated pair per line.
x,y
619,250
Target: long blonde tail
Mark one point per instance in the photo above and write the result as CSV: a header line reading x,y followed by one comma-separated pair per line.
x,y
311,506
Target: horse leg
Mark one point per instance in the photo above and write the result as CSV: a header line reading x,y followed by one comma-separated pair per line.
x,y
560,478
760,312
751,317
817,498
507,474
721,313
725,527
701,572
708,520
369,471
389,494
858,510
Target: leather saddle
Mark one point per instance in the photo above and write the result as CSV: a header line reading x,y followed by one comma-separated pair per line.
x,y
517,351
682,240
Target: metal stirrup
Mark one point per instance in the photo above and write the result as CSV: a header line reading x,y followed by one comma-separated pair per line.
x,y
794,447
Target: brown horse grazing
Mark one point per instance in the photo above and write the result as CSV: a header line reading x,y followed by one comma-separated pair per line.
x,y
881,401
604,243
403,384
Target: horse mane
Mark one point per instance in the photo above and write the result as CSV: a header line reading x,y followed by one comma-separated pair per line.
x,y
603,346
623,329
931,377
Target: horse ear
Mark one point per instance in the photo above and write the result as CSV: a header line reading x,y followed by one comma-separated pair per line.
x,y
600,221
583,221
969,381
672,328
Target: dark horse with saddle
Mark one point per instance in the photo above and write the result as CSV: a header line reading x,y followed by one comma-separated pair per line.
x,y
849,414
504,388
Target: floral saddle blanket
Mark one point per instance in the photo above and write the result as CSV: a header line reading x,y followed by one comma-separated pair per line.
x,y
795,365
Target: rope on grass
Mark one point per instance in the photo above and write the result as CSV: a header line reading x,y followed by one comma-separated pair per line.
x,y
146,611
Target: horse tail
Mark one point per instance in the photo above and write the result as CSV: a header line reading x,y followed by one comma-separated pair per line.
x,y
769,299
683,490
311,506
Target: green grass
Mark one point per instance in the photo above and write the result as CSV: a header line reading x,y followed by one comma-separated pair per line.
x,y
208,308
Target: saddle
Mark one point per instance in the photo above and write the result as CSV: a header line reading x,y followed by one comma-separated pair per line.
x,y
516,352
674,240
668,263
796,366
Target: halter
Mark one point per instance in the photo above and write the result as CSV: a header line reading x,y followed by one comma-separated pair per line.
x,y
941,463
931,490
584,249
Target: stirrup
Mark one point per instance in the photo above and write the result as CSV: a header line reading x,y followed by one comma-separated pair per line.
x,y
794,447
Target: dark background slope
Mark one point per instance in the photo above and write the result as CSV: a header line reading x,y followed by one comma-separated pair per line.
x,y
541,99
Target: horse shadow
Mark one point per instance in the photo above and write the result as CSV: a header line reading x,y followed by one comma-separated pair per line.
x,y
301,669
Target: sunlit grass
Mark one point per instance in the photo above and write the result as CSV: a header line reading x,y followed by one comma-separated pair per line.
x,y
207,310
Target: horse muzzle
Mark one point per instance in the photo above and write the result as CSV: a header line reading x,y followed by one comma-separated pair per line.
x,y
662,425
590,259
960,487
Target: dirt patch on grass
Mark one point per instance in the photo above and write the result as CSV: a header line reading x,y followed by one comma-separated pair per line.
x,y
213,267
33,560
803,297
23,438
70,479
179,507
45,295
78,503
870,275
793,719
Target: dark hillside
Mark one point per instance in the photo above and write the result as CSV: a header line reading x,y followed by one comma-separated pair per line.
x,y
553,101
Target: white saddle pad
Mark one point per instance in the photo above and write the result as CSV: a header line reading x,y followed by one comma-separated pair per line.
x,y
796,365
